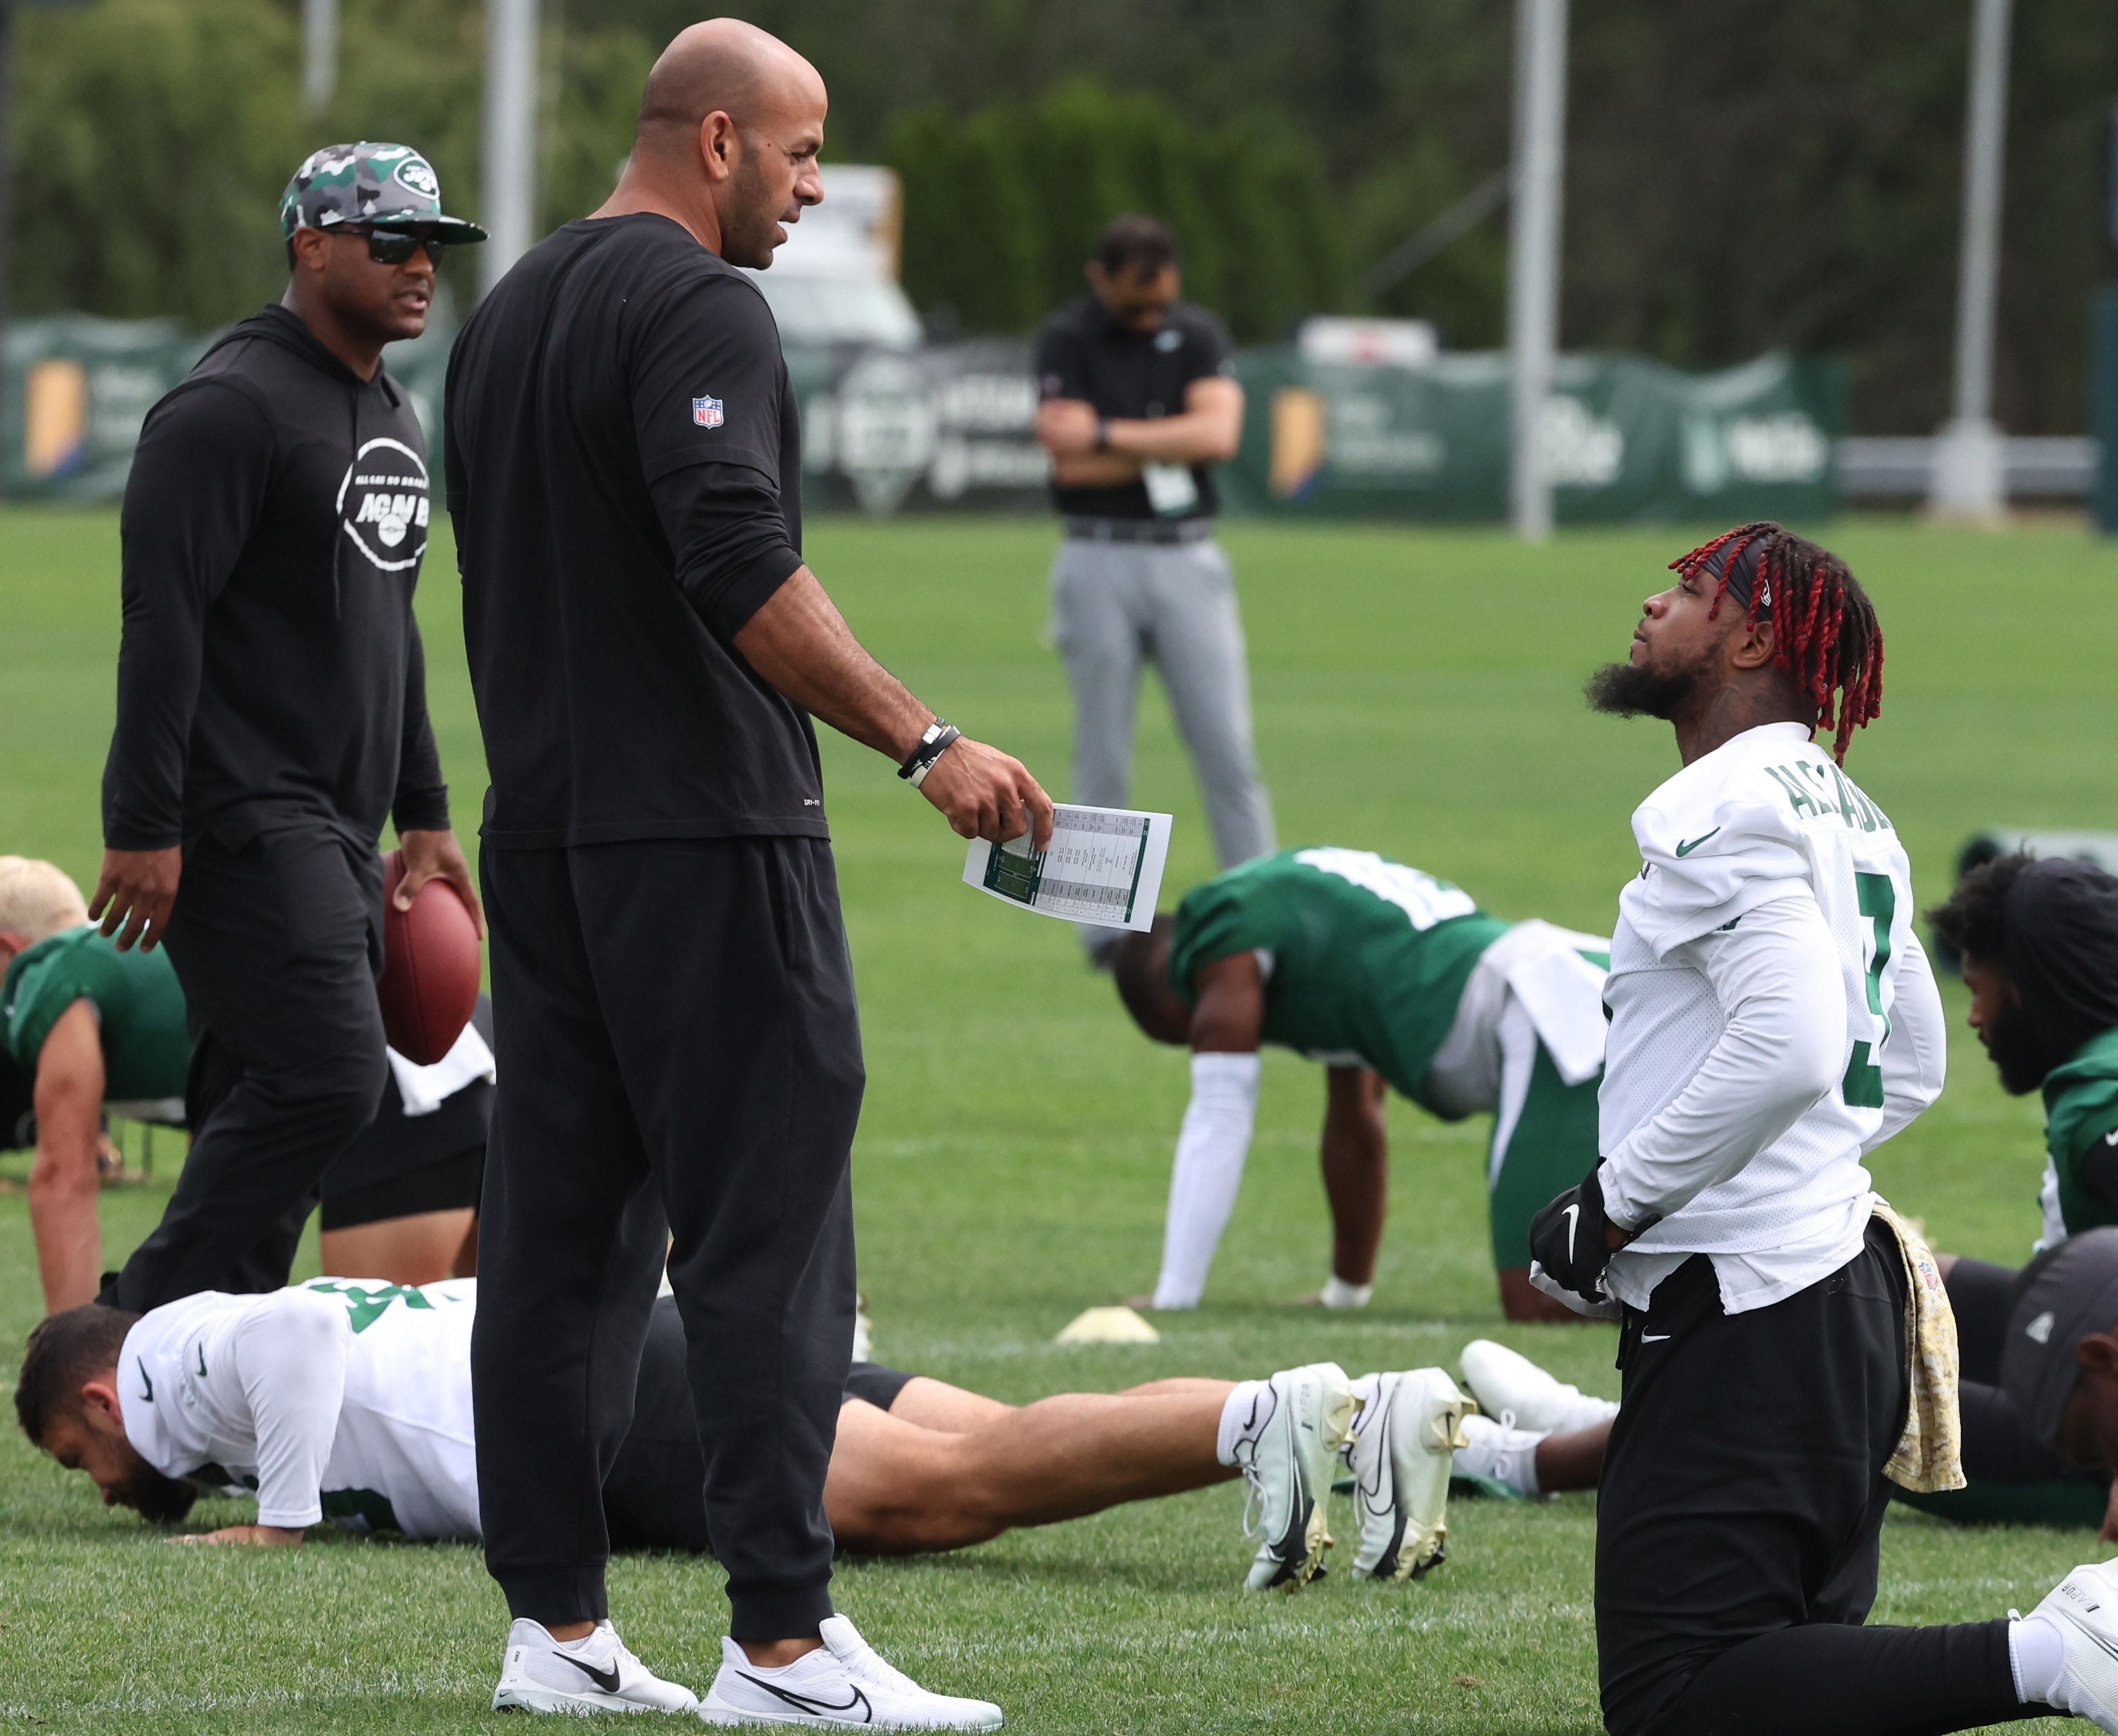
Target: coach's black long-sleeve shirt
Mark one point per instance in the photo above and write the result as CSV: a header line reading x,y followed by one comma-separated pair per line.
x,y
270,673
625,476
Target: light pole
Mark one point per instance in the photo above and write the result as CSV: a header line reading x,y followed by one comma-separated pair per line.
x,y
511,136
319,53
1969,479
1533,236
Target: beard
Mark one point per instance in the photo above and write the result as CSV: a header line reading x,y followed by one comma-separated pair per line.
x,y
1635,690
164,1500
747,224
2015,1052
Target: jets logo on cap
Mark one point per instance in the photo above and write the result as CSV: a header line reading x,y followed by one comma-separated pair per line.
x,y
418,174
706,412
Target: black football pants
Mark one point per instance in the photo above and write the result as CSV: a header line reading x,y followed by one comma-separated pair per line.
x,y
1739,1523
678,1038
278,945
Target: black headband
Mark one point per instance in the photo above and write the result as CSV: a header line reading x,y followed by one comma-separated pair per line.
x,y
1743,575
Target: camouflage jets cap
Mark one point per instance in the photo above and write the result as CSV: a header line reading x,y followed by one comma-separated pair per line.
x,y
391,187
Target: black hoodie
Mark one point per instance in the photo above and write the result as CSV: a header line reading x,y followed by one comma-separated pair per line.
x,y
271,674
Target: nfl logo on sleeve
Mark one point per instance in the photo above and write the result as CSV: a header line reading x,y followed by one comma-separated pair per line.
x,y
706,412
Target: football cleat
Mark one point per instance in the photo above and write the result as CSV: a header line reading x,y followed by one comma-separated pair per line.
x,y
1289,1464
597,1673
1400,1460
843,1682
1516,1392
2084,1606
1500,1459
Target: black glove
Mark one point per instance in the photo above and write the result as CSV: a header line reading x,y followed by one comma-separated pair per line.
x,y
1570,1240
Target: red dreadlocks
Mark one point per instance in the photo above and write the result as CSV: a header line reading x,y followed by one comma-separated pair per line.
x,y
1825,630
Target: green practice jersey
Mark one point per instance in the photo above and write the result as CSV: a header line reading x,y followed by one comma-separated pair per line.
x,y
1369,958
139,1005
2081,1126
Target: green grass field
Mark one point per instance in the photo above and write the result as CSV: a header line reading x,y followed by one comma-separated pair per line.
x,y
1417,693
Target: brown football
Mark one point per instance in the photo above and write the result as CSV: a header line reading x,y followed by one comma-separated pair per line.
x,y
430,967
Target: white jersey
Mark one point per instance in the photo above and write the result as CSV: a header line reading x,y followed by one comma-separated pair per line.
x,y
1772,1019
346,1399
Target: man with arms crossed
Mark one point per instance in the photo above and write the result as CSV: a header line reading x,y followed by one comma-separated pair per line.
x,y
272,712
1138,407
1773,1019
675,999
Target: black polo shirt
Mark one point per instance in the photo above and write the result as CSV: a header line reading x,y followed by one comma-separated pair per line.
x,y
624,473
1129,376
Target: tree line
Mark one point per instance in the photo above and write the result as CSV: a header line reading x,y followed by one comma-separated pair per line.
x,y
1742,174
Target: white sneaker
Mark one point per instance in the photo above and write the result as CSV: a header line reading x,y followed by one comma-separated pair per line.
x,y
1400,1460
1289,1464
843,1682
1491,1452
595,1673
2084,1606
1513,1390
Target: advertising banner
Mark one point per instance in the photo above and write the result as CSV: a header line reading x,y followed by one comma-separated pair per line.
x,y
1625,438
77,389
951,428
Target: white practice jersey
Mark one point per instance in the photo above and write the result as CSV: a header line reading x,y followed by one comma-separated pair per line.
x,y
1772,1019
346,1399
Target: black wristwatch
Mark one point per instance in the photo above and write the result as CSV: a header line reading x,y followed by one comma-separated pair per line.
x,y
929,748
1104,434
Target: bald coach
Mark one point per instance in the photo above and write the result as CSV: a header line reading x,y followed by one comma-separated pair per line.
x,y
678,1035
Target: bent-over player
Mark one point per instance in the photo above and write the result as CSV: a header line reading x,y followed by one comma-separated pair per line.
x,y
351,1401
95,1028
1784,1347
1389,976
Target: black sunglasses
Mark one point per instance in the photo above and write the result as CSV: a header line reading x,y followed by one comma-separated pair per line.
x,y
394,246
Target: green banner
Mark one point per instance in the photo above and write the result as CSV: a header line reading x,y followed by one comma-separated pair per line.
x,y
1625,438
77,389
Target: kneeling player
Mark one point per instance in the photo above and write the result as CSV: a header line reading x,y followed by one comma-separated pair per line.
x,y
351,1401
1384,974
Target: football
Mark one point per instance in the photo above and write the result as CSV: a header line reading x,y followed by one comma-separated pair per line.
x,y
430,967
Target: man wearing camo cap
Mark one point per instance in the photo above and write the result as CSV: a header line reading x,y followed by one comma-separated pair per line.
x,y
272,712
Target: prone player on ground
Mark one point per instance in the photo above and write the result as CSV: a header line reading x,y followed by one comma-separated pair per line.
x,y
1389,977
351,1401
1784,1345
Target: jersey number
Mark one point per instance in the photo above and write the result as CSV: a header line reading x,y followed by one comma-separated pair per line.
x,y
1862,1087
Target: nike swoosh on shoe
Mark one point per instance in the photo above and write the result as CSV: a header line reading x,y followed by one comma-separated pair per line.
x,y
805,1703
605,1679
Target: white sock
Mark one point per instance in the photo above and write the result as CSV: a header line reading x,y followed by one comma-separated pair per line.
x,y
2036,1653
1338,1293
1249,1408
1210,1151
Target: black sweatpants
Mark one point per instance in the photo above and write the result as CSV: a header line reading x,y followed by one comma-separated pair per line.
x,y
677,1035
654,1497
1739,1522
278,945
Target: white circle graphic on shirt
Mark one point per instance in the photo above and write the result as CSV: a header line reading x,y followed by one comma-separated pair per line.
x,y
383,504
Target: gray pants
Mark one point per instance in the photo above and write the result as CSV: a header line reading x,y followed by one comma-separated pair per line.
x,y
1115,605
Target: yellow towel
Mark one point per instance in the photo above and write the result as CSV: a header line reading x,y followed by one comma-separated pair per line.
x,y
1930,1456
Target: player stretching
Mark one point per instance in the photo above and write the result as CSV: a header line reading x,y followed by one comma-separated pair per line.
x,y
1385,975
1773,1020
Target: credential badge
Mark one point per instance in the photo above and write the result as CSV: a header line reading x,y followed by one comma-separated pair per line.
x,y
706,412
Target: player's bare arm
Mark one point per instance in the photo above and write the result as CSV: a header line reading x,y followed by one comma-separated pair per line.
x,y
62,1181
1356,1160
799,642
1229,1016
135,892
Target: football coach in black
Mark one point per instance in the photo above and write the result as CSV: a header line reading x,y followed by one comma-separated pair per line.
x,y
272,711
674,994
